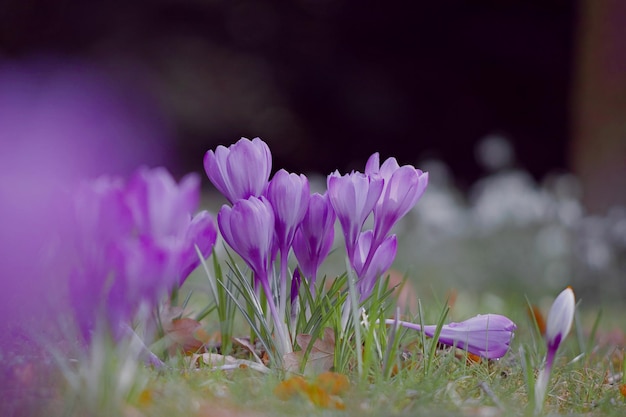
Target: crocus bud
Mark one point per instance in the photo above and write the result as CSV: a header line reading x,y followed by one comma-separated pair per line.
x,y
315,235
486,335
296,281
248,227
560,318
289,195
353,197
381,260
241,170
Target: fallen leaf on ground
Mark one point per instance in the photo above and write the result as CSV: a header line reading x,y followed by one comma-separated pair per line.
x,y
219,362
211,359
184,334
333,383
321,357
323,392
248,346
290,387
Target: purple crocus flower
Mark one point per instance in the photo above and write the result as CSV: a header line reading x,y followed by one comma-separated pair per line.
x,y
381,258
353,197
248,227
289,196
241,170
403,187
315,235
560,318
134,242
488,335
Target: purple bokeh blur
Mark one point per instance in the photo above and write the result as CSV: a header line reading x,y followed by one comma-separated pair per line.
x,y
60,122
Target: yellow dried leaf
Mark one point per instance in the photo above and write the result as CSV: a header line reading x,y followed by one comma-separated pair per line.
x,y
333,383
290,387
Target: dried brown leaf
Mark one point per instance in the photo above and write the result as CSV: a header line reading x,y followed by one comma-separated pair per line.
x,y
321,357
183,334
245,342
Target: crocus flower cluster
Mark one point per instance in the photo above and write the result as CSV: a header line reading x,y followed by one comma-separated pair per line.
x,y
389,191
271,216
560,318
267,217
134,241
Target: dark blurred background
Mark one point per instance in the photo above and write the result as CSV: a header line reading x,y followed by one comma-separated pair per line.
x,y
328,82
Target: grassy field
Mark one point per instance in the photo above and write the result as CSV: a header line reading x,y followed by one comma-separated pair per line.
x,y
419,378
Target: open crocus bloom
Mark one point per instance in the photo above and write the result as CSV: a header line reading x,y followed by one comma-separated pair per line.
x,y
487,335
403,187
241,170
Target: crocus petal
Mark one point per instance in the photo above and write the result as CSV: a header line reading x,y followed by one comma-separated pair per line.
x,y
100,214
295,288
214,166
241,170
202,232
372,166
362,249
488,336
